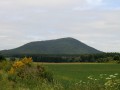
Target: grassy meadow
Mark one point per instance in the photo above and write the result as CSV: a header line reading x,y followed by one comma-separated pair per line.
x,y
78,71
69,73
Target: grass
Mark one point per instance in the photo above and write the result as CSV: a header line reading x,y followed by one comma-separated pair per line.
x,y
81,71
25,75
71,73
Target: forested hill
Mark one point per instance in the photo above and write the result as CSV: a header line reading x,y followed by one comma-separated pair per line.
x,y
57,46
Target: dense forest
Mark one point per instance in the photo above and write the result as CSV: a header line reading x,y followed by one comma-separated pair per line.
x,y
102,57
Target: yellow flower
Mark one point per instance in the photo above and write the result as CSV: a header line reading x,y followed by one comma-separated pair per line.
x,y
26,60
18,64
12,71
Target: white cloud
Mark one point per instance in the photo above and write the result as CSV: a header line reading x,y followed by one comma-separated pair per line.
x,y
89,5
38,3
94,2
31,20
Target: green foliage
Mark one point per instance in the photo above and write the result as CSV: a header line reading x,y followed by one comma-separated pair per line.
x,y
6,85
2,58
23,74
100,58
117,58
44,74
5,65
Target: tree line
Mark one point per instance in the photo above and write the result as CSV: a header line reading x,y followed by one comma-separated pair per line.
x,y
102,57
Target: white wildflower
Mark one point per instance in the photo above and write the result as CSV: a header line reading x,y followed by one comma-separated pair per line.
x,y
112,76
95,79
108,78
116,74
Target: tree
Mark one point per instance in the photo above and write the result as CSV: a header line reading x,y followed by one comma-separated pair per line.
x,y
117,58
2,58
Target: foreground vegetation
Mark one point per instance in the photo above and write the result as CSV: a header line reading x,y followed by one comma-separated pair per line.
x,y
23,74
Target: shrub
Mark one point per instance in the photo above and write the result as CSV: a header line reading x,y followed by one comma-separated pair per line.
x,y
5,65
22,73
2,58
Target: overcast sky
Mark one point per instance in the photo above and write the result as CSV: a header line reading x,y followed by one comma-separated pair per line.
x,y
94,22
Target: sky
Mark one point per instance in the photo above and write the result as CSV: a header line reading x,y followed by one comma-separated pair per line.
x,y
94,22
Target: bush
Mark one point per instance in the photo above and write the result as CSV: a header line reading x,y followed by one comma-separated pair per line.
x,y
22,73
2,58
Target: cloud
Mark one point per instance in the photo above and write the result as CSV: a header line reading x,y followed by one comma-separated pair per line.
x,y
38,3
88,5
34,20
94,2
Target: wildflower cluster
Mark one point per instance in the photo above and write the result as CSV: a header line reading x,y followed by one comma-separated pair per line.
x,y
19,64
112,81
103,82
26,60
11,71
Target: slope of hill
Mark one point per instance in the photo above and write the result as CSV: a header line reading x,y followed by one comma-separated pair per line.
x,y
57,46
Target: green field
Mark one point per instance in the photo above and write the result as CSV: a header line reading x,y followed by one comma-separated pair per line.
x,y
25,75
69,73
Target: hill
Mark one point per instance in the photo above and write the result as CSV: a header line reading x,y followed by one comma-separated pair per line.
x,y
57,46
